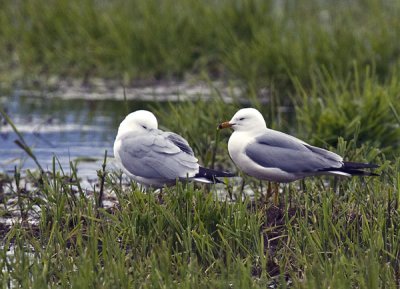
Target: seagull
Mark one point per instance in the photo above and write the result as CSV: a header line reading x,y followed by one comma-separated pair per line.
x,y
155,158
274,156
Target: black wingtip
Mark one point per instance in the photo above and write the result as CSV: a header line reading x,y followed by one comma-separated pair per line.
x,y
355,172
355,169
355,165
358,169
213,175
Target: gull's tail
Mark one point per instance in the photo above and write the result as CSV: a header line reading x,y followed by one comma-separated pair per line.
x,y
210,176
354,169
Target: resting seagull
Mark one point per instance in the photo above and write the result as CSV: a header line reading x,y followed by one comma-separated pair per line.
x,y
155,158
278,157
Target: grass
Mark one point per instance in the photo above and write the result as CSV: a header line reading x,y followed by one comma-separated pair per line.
x,y
258,43
315,238
337,235
364,109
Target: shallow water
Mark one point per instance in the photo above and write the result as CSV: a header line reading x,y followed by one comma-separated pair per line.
x,y
70,129
77,122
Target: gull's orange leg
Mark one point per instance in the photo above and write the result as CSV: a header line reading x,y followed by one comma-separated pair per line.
x,y
273,191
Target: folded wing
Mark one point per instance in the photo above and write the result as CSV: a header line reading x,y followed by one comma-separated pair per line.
x,y
158,155
278,150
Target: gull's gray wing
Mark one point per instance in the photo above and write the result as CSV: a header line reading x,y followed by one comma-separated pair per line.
x,y
278,150
158,155
180,142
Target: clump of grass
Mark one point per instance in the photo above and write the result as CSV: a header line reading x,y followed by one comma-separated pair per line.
x,y
363,110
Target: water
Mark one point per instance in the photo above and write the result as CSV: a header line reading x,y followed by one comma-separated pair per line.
x,y
76,130
78,123
54,127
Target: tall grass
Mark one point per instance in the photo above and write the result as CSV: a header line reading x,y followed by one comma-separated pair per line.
x,y
258,42
364,110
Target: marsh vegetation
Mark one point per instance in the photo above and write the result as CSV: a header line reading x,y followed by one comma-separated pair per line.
x,y
326,72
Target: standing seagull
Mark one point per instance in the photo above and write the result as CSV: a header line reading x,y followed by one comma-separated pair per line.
x,y
278,157
156,158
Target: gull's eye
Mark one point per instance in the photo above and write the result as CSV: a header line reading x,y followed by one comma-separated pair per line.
x,y
242,118
145,127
